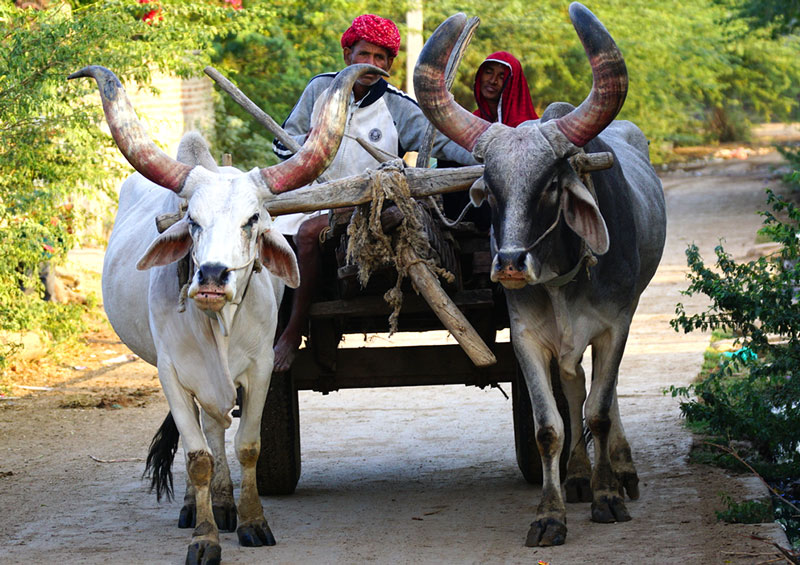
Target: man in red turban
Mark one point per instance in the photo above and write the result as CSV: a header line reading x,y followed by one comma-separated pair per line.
x,y
383,115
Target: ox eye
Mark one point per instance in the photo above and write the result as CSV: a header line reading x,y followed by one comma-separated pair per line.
x,y
248,226
193,226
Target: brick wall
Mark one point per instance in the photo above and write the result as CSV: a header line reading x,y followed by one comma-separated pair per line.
x,y
181,106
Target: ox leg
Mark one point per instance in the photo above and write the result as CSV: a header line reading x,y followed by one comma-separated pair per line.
x,y
607,504
621,458
578,482
188,514
253,529
204,548
550,525
222,502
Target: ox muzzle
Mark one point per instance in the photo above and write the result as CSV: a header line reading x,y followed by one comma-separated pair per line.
x,y
212,287
514,268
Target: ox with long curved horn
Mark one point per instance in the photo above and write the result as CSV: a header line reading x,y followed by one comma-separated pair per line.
x,y
145,156
609,88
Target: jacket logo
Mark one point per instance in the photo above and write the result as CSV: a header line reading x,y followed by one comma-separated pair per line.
x,y
375,135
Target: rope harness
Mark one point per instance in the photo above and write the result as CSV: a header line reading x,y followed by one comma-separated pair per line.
x,y
370,248
586,258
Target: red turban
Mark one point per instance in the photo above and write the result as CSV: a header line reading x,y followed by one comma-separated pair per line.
x,y
373,29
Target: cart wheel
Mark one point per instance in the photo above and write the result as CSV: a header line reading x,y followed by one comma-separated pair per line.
x,y
528,458
278,467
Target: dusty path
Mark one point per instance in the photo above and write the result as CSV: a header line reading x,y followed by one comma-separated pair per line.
x,y
425,475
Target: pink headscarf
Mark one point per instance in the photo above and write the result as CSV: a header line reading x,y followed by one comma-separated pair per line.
x,y
515,105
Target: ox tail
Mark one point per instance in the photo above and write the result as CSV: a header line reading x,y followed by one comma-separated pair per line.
x,y
158,467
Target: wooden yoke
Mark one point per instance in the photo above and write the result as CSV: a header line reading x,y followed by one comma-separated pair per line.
x,y
355,190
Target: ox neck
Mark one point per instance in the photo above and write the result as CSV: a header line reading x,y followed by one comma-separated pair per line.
x,y
586,258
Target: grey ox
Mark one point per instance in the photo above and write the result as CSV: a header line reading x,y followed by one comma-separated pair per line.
x,y
578,228
216,334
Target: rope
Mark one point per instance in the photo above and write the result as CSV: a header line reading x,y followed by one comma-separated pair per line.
x,y
370,248
444,219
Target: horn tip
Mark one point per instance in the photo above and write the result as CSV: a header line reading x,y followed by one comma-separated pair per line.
x,y
84,72
90,71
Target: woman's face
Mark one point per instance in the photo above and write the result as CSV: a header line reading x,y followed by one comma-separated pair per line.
x,y
492,79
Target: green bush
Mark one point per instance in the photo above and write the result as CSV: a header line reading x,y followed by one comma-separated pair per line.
x,y
53,151
753,395
747,512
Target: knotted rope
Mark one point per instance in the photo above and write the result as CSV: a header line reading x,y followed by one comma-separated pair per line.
x,y
370,248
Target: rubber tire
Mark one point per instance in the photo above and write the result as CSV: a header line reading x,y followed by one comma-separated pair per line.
x,y
278,467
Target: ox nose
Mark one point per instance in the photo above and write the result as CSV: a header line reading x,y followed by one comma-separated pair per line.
x,y
512,261
212,274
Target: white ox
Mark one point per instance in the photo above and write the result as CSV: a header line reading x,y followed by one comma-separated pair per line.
x,y
217,336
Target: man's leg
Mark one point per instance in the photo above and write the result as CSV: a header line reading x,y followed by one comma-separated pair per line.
x,y
309,259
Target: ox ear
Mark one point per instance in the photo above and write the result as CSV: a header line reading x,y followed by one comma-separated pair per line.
x,y
583,215
168,247
478,192
278,257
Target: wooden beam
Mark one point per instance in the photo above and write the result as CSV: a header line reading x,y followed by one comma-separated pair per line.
x,y
354,190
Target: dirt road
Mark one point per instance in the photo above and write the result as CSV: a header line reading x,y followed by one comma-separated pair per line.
x,y
425,475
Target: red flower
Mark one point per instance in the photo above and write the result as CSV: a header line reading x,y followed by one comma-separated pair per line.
x,y
150,17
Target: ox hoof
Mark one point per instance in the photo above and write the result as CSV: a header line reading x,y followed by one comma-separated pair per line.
x,y
187,516
204,553
629,483
225,517
255,535
578,489
547,531
608,509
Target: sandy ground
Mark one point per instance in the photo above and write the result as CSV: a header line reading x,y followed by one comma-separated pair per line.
x,y
423,475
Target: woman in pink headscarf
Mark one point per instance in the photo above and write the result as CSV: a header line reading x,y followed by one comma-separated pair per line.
x,y
501,91
502,94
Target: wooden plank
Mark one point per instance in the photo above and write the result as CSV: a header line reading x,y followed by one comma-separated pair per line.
x,y
412,304
427,283
372,367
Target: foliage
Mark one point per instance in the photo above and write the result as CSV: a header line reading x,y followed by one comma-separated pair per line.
x,y
792,154
52,150
754,395
747,512
722,74
780,16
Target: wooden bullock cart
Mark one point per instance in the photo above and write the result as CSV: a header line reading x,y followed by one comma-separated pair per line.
x,y
470,306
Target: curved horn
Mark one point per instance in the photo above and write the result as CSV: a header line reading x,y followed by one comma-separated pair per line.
x,y
130,135
323,140
609,76
436,101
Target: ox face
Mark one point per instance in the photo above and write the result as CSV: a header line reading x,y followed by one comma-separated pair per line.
x,y
224,234
531,186
226,228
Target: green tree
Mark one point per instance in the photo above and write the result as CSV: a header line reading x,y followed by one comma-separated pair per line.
x,y
780,16
52,150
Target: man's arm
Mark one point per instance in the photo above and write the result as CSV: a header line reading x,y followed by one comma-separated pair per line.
x,y
299,121
411,126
